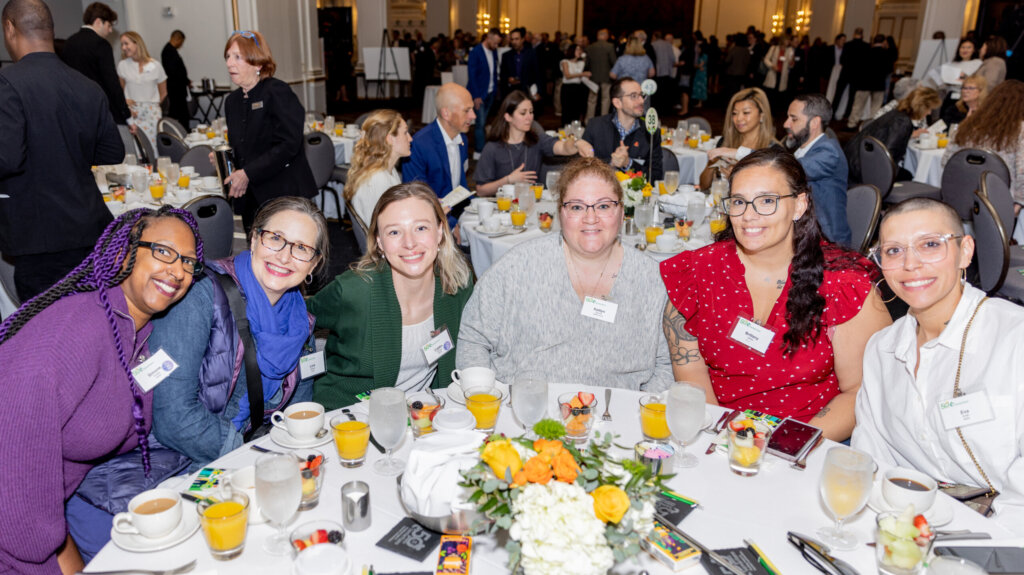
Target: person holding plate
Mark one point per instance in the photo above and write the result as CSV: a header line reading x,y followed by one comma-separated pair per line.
x,y
393,319
771,316
577,303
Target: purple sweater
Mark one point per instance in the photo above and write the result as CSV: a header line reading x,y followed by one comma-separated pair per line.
x,y
66,407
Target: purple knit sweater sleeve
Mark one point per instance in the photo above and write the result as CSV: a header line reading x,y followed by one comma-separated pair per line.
x,y
66,405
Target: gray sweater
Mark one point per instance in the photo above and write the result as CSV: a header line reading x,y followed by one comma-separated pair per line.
x,y
525,314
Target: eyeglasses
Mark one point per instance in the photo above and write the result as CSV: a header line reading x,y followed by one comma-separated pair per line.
x,y
929,249
603,209
247,34
968,88
170,255
765,205
274,241
633,96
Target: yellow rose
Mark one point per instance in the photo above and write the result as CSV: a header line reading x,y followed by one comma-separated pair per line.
x,y
501,456
610,503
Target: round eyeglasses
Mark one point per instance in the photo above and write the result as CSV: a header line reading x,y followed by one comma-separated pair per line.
x,y
764,205
276,242
929,249
170,255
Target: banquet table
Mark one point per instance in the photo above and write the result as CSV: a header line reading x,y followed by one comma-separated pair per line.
x,y
926,165
692,162
762,508
173,196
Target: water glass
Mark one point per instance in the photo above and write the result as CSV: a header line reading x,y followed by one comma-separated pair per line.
x,y
671,181
529,391
643,215
173,172
162,163
388,416
525,196
551,181
846,482
279,491
130,160
684,412
695,211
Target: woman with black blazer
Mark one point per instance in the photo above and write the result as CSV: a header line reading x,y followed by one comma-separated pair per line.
x,y
264,129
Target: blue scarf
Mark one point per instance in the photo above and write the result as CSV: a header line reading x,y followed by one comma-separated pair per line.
x,y
279,332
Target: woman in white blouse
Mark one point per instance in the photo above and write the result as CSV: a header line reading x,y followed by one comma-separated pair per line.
x,y
144,82
385,141
912,368
574,93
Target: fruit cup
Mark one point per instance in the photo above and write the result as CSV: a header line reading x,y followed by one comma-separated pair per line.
x,y
316,533
423,406
902,543
652,418
747,441
545,220
578,411
312,469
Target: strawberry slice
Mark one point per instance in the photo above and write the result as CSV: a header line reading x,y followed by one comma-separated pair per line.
x,y
737,425
585,398
922,525
566,410
299,544
319,536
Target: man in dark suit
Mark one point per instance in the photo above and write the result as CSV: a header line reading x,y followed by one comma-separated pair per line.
x,y
823,161
177,79
55,124
89,52
856,65
620,137
519,68
483,82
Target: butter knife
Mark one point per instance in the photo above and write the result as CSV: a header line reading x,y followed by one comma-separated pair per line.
x,y
711,448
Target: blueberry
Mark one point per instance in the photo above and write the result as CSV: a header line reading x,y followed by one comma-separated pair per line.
x,y
417,405
334,536
307,474
310,458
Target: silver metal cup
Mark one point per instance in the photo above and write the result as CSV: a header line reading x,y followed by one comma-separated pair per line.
x,y
355,505
225,162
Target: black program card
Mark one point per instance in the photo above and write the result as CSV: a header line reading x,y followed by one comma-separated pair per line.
x,y
671,509
742,557
410,539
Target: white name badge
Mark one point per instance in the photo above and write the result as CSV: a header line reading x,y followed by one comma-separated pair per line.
x,y
754,336
312,365
965,410
154,370
599,309
439,344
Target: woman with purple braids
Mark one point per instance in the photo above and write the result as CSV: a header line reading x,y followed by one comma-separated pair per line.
x,y
70,399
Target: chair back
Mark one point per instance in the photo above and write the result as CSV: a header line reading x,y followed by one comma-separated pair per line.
x,y
199,158
7,281
863,206
876,165
169,145
700,121
362,118
216,225
359,227
990,246
669,161
962,176
320,155
998,193
171,126
145,148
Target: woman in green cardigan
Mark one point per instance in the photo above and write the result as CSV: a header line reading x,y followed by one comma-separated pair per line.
x,y
406,291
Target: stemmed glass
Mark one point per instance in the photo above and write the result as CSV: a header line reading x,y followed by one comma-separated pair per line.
x,y
279,491
388,414
846,484
695,211
684,413
671,181
551,181
529,391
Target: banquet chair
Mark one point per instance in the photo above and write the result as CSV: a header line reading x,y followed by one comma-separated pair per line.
x,y
167,144
998,193
962,176
863,206
700,121
358,226
362,118
669,161
199,158
146,153
171,126
7,281
320,155
216,225
878,169
990,246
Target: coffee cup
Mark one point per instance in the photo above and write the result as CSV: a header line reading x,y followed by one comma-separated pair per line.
x,y
665,242
492,223
244,479
508,190
475,203
210,183
486,209
301,420
151,514
473,377
902,487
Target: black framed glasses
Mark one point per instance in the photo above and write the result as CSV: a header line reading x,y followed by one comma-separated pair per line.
x,y
276,242
577,209
247,34
764,205
929,248
170,255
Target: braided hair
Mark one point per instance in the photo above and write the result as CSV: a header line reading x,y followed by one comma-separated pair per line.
x,y
109,264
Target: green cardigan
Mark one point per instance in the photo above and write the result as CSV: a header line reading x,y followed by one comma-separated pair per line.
x,y
364,346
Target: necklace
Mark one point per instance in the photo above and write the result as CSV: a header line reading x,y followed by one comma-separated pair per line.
x,y
517,147
576,272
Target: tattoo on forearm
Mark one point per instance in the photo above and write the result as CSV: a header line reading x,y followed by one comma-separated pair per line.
x,y
682,356
824,411
674,326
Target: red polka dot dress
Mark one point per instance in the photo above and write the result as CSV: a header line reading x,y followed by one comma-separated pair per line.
x,y
707,286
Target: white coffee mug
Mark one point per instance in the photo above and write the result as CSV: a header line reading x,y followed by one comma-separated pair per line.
x,y
210,183
921,495
666,242
302,420
473,377
151,514
244,479
492,223
486,209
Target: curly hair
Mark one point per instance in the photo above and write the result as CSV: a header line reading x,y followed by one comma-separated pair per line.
x,y
731,137
110,263
372,151
998,123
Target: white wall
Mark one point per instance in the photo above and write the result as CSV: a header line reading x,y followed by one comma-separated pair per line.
x,y
944,15
724,17
206,24
859,14
438,20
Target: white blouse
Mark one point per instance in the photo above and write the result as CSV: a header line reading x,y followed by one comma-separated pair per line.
x,y
365,198
415,374
574,68
141,86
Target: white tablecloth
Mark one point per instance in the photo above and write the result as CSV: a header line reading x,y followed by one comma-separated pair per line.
x,y
343,146
691,163
201,140
429,113
926,165
762,508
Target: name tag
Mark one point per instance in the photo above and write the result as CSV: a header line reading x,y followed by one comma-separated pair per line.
x,y
751,335
599,309
154,370
257,105
965,410
440,343
312,365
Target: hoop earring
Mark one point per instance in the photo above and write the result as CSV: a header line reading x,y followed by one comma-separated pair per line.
x,y
309,279
878,283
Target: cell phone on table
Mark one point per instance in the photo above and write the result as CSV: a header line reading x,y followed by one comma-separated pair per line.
x,y
994,560
791,438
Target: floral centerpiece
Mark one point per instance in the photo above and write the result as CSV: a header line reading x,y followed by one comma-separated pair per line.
x,y
566,510
633,186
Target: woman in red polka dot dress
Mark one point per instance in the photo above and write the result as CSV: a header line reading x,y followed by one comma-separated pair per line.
x,y
772,316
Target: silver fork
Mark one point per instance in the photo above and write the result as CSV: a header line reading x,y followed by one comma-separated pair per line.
x,y
607,404
183,569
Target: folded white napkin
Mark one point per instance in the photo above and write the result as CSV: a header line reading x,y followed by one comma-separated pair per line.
x,y
682,196
430,485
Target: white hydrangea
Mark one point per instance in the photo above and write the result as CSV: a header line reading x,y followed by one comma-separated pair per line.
x,y
631,198
558,532
641,520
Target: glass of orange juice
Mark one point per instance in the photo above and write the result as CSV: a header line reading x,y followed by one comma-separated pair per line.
x,y
704,136
484,402
943,140
717,222
224,522
351,436
652,233
211,133
652,417
157,187
518,219
538,192
504,203
184,181
692,142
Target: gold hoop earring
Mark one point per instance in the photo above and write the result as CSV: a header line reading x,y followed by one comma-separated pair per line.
x,y
876,286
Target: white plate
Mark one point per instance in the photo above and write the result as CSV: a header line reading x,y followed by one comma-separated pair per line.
x,y
940,513
139,544
503,230
285,439
455,393
679,247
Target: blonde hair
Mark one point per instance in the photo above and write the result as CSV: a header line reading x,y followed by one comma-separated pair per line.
x,y
731,137
136,39
635,47
450,265
919,102
979,82
372,151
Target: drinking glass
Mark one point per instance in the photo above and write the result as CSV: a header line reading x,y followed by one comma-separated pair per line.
x,y
157,187
173,173
529,391
279,491
484,402
845,486
130,160
652,418
351,436
643,215
224,522
525,196
388,416
671,181
695,211
684,412
162,163
551,181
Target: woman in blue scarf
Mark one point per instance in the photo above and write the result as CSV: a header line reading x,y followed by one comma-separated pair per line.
x,y
202,409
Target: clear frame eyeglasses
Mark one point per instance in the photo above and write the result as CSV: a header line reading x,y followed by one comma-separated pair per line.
x,y
764,205
274,241
929,248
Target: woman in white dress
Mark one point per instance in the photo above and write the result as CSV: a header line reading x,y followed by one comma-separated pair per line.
x,y
385,141
144,82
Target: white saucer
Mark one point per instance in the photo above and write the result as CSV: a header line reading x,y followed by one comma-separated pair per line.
x,y
679,247
503,230
455,393
940,513
285,439
139,544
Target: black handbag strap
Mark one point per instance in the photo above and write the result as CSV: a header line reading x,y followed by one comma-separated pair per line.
x,y
253,379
